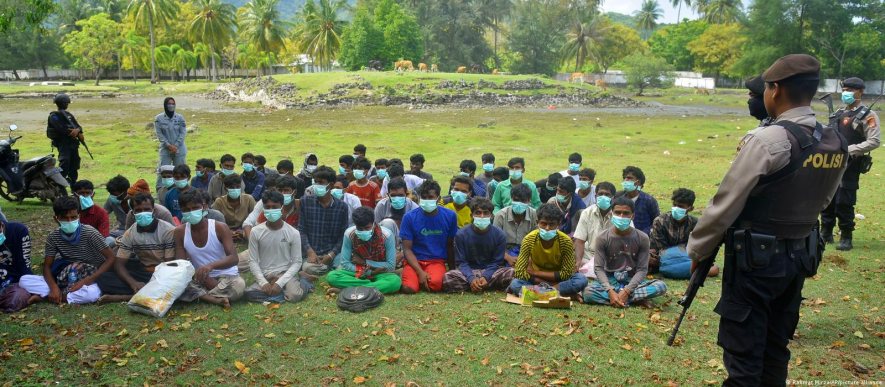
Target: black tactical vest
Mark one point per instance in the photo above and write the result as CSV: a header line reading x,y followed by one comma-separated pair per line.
x,y
789,206
853,136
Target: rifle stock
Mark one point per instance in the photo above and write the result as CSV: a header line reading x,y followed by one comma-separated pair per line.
x,y
697,281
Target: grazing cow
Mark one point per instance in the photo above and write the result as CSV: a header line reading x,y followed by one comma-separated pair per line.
x,y
495,72
434,68
461,69
576,78
407,64
422,67
700,91
476,68
601,84
396,65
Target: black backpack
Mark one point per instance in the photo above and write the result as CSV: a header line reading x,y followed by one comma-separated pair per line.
x,y
359,299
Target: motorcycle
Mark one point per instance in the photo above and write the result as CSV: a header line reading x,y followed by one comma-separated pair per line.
x,y
38,177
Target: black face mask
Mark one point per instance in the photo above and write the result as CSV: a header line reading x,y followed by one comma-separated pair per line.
x,y
757,108
62,106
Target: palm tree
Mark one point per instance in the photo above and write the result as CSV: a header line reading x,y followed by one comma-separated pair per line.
x,y
262,25
72,11
490,13
154,11
722,11
248,57
202,52
213,25
647,17
583,38
163,56
183,60
678,4
116,9
319,33
132,46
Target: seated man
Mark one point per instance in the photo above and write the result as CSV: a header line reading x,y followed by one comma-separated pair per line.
x,y
594,219
488,165
90,214
306,173
571,208
586,190
459,200
287,188
208,211
367,258
547,187
322,221
260,163
117,204
145,245
351,200
160,212
669,236
574,166
75,256
428,242
390,211
345,168
253,179
366,191
209,247
502,191
548,256
395,170
378,179
275,256
621,263
479,254
646,205
15,262
166,182
202,174
181,175
516,220
468,169
416,162
235,206
217,188
498,175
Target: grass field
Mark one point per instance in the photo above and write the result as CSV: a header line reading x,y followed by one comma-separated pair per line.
x,y
455,340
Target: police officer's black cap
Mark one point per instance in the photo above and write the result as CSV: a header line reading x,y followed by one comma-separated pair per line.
x,y
756,85
854,83
793,67
61,98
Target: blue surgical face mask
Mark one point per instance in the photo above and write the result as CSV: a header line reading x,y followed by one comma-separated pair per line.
x,y
311,168
193,217
547,234
364,235
320,190
234,193
2,238
459,197
549,188
337,193
603,202
678,213
359,174
488,167
465,174
628,185
144,219
398,202
584,185
518,207
561,198
428,205
227,172
86,202
515,174
493,184
848,97
273,215
287,199
482,223
167,182
180,184
621,223
248,167
341,170
69,227
382,173
199,174
114,199
574,167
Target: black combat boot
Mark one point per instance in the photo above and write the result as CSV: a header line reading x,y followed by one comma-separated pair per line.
x,y
845,242
826,233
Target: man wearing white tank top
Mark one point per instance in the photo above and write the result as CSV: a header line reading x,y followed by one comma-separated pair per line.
x,y
210,248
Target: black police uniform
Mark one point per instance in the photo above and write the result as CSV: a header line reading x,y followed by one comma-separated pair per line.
x,y
60,124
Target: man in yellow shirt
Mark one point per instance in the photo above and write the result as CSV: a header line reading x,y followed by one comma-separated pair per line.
x,y
459,200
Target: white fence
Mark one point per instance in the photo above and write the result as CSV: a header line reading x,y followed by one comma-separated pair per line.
x,y
616,77
73,74
835,86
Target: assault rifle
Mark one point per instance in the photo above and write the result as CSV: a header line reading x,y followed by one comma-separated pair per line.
x,y
696,282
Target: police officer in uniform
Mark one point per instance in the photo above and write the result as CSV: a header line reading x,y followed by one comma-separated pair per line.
x,y
756,104
66,134
767,205
860,126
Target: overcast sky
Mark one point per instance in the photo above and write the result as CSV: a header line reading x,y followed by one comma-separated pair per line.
x,y
630,6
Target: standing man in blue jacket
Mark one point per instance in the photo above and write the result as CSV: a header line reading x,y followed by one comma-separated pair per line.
x,y
171,130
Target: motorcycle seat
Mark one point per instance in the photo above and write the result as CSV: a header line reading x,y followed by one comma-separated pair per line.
x,y
34,161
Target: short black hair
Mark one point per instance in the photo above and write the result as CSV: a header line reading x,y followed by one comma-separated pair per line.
x,y
568,185
82,184
360,148
482,204
623,200
417,158
380,162
521,193
397,183
395,170
271,180
325,173
635,171
606,186
286,181
118,184
463,180
684,196
516,160
554,179
206,163
181,169
260,160
247,155
588,173
286,165
204,195
363,216
488,158
501,172
550,212
799,91
272,196
362,163
469,165
395,161
192,196
343,180
232,180
228,157
141,197
346,159
575,158
64,204
427,186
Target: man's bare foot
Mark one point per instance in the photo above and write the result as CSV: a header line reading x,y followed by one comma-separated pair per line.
x,y
714,271
309,277
578,298
108,299
224,303
34,299
407,290
644,304
331,291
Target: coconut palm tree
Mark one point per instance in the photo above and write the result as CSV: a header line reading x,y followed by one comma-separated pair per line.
x,y
647,17
678,5
72,11
213,25
248,57
319,33
133,46
183,60
262,25
583,38
163,56
722,11
155,12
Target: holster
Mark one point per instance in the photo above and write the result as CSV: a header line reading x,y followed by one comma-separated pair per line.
x,y
753,250
815,246
864,163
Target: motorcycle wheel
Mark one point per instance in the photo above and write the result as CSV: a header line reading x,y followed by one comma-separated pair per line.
x,y
4,191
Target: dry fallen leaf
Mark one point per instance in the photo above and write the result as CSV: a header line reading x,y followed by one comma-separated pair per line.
x,y
162,343
26,342
627,347
359,380
270,335
242,367
485,361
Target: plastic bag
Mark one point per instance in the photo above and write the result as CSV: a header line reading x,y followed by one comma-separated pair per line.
x,y
166,285
540,292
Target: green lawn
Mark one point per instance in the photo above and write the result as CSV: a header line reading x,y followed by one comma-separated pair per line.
x,y
456,340
113,86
